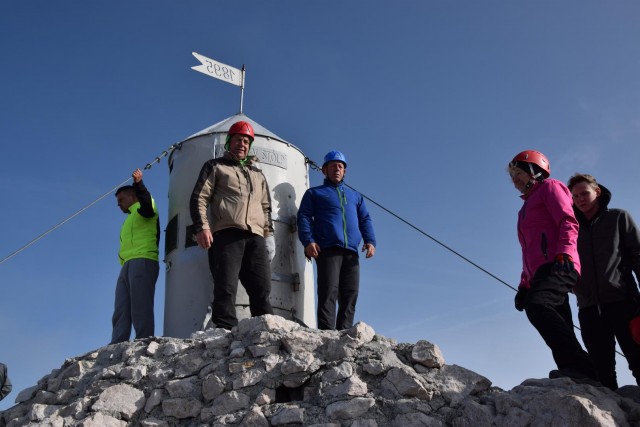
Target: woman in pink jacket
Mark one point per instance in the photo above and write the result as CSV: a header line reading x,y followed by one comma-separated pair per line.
x,y
548,232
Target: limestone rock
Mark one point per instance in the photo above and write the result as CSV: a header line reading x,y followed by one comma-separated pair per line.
x,y
427,354
269,371
122,400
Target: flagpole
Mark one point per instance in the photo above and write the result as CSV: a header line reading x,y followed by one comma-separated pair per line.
x,y
242,90
220,71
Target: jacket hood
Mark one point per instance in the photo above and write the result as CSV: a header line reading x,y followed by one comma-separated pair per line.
x,y
605,198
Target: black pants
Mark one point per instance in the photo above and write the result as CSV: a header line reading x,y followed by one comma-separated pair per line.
x,y
338,280
601,326
548,310
238,254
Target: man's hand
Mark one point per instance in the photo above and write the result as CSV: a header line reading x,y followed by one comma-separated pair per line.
x,y
270,242
371,250
312,250
204,239
137,175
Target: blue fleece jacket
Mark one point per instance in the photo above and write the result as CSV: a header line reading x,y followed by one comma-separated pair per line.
x,y
334,215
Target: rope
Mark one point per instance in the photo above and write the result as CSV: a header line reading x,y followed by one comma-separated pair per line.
x,y
60,224
313,166
163,154
424,233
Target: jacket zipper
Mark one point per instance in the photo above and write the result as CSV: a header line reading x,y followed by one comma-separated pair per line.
x,y
246,174
596,280
343,202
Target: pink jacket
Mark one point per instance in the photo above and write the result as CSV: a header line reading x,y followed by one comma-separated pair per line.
x,y
547,227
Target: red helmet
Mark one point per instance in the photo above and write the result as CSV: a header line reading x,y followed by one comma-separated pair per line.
x,y
634,328
242,128
535,158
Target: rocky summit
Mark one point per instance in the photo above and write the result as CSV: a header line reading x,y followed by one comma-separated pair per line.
x,y
268,371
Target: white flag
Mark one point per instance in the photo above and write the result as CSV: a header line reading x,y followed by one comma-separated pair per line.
x,y
218,70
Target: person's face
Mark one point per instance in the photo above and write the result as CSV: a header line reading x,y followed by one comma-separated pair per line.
x,y
239,145
125,200
586,198
334,171
520,179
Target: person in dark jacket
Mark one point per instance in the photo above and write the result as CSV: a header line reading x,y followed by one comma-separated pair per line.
x,y
607,294
139,238
332,221
548,232
5,384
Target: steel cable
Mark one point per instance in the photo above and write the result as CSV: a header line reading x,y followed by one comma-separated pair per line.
x,y
313,166
398,217
61,223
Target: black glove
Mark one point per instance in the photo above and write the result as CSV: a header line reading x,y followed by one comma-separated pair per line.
x,y
521,298
563,264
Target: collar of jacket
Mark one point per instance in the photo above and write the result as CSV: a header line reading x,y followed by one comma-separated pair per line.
x,y
534,187
251,160
328,182
134,207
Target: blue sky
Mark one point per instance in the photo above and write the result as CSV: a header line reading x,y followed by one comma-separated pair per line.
x,y
429,100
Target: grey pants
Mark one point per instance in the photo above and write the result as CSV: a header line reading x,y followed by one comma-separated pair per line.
x,y
134,299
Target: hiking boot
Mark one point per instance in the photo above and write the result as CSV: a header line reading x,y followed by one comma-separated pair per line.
x,y
578,377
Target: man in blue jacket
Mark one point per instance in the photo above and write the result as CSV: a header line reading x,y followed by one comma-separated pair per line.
x,y
332,221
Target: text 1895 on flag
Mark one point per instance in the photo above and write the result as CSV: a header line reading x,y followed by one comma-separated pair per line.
x,y
218,70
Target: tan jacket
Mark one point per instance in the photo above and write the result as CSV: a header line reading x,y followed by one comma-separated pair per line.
x,y
239,197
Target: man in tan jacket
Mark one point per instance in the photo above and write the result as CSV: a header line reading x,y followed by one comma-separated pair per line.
x,y
239,239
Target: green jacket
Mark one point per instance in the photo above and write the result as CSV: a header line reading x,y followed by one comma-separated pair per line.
x,y
140,234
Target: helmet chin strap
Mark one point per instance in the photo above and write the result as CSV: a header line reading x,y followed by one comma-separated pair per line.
x,y
533,174
528,186
534,178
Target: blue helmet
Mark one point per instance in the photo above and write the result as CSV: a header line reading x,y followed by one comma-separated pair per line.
x,y
334,155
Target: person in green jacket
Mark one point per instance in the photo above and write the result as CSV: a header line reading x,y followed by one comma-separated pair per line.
x,y
139,238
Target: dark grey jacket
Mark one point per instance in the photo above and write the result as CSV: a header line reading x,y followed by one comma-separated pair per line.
x,y
5,384
609,248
